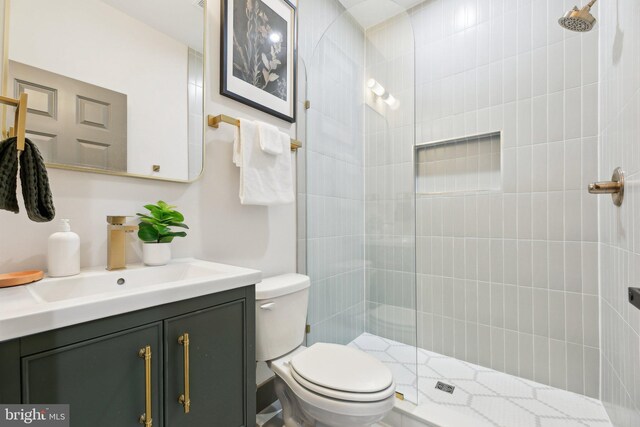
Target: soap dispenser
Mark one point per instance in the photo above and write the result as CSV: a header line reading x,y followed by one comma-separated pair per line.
x,y
64,251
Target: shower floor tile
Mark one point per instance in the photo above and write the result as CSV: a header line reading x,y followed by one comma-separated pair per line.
x,y
489,397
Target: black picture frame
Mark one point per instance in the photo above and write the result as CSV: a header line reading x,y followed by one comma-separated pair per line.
x,y
236,85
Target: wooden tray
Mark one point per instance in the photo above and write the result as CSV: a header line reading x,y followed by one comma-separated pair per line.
x,y
20,278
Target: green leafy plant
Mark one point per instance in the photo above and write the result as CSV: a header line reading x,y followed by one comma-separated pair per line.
x,y
156,227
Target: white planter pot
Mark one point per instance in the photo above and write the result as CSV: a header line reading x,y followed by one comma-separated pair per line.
x,y
156,253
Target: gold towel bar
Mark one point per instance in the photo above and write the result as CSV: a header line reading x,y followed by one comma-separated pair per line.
x,y
214,122
19,125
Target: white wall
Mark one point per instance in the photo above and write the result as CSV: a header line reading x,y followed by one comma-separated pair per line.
x,y
221,229
93,42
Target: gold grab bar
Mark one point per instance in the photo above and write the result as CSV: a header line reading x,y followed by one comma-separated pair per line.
x,y
185,399
146,418
214,122
615,187
20,122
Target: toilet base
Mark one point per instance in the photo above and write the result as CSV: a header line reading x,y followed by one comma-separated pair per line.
x,y
292,414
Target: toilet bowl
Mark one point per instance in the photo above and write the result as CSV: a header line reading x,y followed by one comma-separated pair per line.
x,y
306,401
324,384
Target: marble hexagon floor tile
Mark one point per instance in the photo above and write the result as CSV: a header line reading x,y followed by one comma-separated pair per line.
x,y
492,397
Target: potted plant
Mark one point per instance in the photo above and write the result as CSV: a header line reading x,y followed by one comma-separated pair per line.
x,y
156,233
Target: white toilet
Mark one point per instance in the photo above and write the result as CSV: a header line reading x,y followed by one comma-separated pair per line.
x,y
322,385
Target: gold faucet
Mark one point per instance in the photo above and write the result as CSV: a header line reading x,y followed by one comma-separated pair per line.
x,y
116,241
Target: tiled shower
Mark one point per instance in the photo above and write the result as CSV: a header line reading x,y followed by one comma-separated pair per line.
x,y
457,218
507,273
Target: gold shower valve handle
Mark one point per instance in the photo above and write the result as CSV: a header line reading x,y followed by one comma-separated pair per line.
x,y
606,187
615,187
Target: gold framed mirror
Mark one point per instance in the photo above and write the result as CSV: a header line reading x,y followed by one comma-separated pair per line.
x,y
115,86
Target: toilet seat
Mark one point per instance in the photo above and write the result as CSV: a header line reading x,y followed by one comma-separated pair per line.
x,y
342,372
343,395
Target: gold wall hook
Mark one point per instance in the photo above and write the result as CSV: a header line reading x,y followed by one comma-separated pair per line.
x,y
20,122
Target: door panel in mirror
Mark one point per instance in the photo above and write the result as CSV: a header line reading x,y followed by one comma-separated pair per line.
x,y
139,51
89,122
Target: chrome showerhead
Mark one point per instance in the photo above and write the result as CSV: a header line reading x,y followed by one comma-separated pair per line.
x,y
580,20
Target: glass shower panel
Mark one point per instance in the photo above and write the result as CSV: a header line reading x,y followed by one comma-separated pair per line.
x,y
390,281
335,188
359,189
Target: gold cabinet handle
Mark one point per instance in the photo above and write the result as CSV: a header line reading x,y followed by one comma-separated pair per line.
x,y
185,399
146,418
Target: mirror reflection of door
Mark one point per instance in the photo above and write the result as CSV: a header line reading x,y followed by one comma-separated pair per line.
x,y
155,59
73,122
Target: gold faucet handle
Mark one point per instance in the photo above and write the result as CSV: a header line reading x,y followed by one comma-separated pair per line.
x,y
116,220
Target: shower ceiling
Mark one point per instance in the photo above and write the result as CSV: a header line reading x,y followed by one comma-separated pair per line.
x,y
369,13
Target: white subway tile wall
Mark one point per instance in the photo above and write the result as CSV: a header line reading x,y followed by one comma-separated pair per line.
x,y
507,278
620,227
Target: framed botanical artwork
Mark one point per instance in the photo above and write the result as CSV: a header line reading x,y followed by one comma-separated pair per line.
x,y
259,55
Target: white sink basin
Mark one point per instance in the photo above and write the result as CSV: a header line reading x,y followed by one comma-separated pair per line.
x,y
96,293
122,281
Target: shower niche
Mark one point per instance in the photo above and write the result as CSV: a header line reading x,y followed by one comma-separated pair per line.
x,y
460,165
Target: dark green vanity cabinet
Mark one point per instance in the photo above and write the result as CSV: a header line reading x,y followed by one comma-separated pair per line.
x,y
97,366
103,378
214,359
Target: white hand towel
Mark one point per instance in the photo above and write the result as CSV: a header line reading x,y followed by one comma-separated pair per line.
x,y
270,138
265,179
237,147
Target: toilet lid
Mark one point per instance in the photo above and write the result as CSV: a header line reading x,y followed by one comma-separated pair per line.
x,y
342,368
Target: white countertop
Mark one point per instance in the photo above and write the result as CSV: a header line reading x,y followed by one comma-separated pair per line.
x,y
94,294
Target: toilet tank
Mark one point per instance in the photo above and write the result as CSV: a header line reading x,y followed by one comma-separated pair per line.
x,y
281,314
